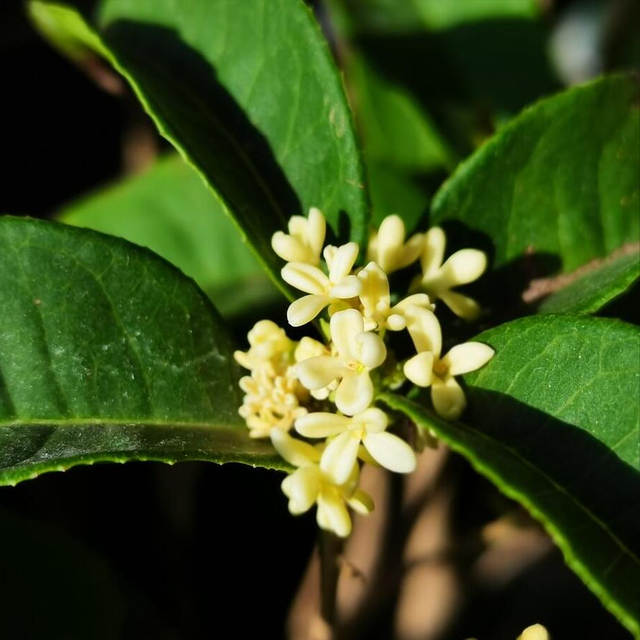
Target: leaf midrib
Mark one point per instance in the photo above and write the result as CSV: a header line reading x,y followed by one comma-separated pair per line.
x,y
189,156
120,422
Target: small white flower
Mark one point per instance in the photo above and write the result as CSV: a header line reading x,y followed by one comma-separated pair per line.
x,y
305,239
273,394
427,368
324,290
438,279
310,348
368,427
271,401
268,343
376,301
388,249
309,485
356,353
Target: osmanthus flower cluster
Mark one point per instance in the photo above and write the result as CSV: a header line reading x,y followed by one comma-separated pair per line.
x,y
315,399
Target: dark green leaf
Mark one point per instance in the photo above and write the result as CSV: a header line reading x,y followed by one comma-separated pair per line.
x,y
376,15
170,211
410,121
553,421
394,191
109,353
592,291
479,61
560,179
247,92
396,128
405,154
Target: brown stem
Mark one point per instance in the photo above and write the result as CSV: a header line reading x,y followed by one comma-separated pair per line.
x,y
330,548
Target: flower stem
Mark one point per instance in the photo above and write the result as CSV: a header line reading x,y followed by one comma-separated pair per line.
x,y
330,548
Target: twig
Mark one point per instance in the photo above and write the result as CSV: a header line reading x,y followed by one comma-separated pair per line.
x,y
330,549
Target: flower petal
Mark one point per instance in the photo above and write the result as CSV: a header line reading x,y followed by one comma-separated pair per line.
x,y
467,357
433,251
424,329
305,277
534,632
463,306
295,452
448,398
410,251
345,326
289,248
309,348
417,300
243,359
306,309
375,289
419,369
318,372
348,287
391,452
316,231
361,502
396,322
464,266
374,420
342,261
332,513
298,227
390,240
372,351
340,456
354,393
321,425
302,488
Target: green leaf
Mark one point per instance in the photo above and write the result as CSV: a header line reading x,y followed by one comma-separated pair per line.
x,y
394,191
109,353
396,128
553,421
595,289
560,179
405,154
442,15
252,101
170,211
416,126
480,61
388,15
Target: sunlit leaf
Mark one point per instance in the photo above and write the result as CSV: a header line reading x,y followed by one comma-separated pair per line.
x,y
553,421
109,353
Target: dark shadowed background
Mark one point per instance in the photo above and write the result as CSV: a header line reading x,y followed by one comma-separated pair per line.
x,y
191,550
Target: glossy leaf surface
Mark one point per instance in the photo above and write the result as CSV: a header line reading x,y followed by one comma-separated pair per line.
x,y
553,421
560,179
247,92
169,210
109,353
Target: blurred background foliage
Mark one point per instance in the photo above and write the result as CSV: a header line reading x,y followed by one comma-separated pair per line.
x,y
150,551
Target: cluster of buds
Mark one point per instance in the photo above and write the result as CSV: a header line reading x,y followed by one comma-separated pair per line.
x,y
315,401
